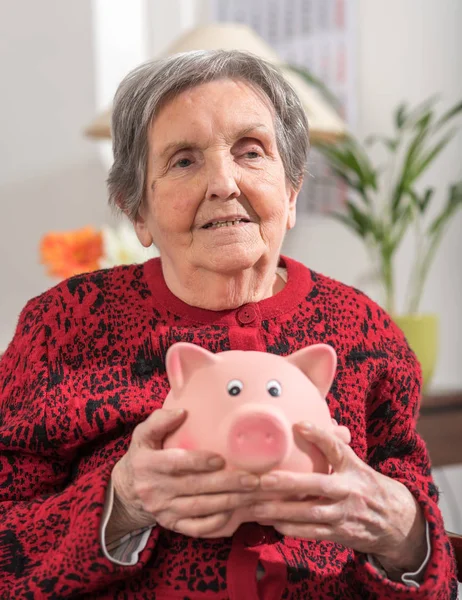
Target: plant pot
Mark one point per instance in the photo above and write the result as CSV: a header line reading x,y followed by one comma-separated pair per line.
x,y
422,334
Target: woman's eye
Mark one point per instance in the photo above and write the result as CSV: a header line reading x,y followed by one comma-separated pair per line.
x,y
234,387
253,154
274,388
182,163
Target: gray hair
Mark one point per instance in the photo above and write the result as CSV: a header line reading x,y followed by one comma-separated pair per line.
x,y
147,88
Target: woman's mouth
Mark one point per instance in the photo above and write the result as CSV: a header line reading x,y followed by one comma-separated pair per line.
x,y
225,223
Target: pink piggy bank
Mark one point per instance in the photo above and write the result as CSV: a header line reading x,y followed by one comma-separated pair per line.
x,y
243,404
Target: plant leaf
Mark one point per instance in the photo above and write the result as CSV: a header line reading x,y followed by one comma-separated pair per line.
x,y
420,113
453,204
346,221
365,222
409,171
400,116
353,184
426,199
390,143
405,219
361,160
351,161
421,202
430,156
450,114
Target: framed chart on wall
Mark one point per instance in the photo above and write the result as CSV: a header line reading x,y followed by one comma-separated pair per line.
x,y
318,35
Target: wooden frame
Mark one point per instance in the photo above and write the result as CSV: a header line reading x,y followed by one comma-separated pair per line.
x,y
440,425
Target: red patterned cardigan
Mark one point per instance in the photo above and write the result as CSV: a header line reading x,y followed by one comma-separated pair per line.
x,y
87,364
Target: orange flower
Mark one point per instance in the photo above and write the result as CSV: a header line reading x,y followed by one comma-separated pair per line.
x,y
71,252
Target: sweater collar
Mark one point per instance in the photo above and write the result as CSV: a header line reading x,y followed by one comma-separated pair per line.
x,y
298,286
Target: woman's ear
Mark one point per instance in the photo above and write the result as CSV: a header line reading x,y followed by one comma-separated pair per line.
x,y
140,224
292,195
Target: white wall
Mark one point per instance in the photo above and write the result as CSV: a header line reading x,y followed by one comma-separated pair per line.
x,y
50,176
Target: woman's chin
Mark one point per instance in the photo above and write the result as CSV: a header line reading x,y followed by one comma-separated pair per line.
x,y
228,262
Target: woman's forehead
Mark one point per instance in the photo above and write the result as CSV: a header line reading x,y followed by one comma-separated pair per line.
x,y
233,107
222,88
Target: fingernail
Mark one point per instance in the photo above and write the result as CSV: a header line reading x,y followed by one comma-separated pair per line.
x,y
306,426
215,462
249,481
178,412
268,481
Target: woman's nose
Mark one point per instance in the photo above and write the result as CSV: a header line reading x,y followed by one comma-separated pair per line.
x,y
222,181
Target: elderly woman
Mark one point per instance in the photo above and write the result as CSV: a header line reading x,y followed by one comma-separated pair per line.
x,y
209,149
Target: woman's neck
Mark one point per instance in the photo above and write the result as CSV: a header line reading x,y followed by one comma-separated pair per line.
x,y
217,291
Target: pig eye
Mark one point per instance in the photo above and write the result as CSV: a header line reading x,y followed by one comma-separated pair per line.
x,y
274,388
234,387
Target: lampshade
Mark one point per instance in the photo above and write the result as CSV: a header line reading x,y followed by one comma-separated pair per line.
x,y
325,123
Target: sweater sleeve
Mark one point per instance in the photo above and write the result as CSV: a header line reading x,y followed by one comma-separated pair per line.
x,y
396,450
126,550
50,519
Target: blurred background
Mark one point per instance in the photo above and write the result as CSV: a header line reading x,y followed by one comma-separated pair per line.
x,y
61,62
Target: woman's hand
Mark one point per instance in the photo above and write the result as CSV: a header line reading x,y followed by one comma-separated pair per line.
x,y
182,490
355,506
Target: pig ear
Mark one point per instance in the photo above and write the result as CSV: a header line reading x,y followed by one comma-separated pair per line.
x,y
318,362
182,360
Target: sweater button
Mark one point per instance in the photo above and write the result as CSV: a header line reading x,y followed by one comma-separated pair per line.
x,y
246,315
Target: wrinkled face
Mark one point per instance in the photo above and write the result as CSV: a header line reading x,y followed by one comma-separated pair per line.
x,y
216,196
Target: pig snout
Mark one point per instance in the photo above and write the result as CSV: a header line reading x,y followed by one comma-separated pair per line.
x,y
258,440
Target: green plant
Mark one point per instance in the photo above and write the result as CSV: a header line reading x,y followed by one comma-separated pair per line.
x,y
385,201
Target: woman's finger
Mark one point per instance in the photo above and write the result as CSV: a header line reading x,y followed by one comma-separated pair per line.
x,y
336,451
177,461
157,426
304,484
210,504
215,483
343,433
308,531
306,511
202,526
